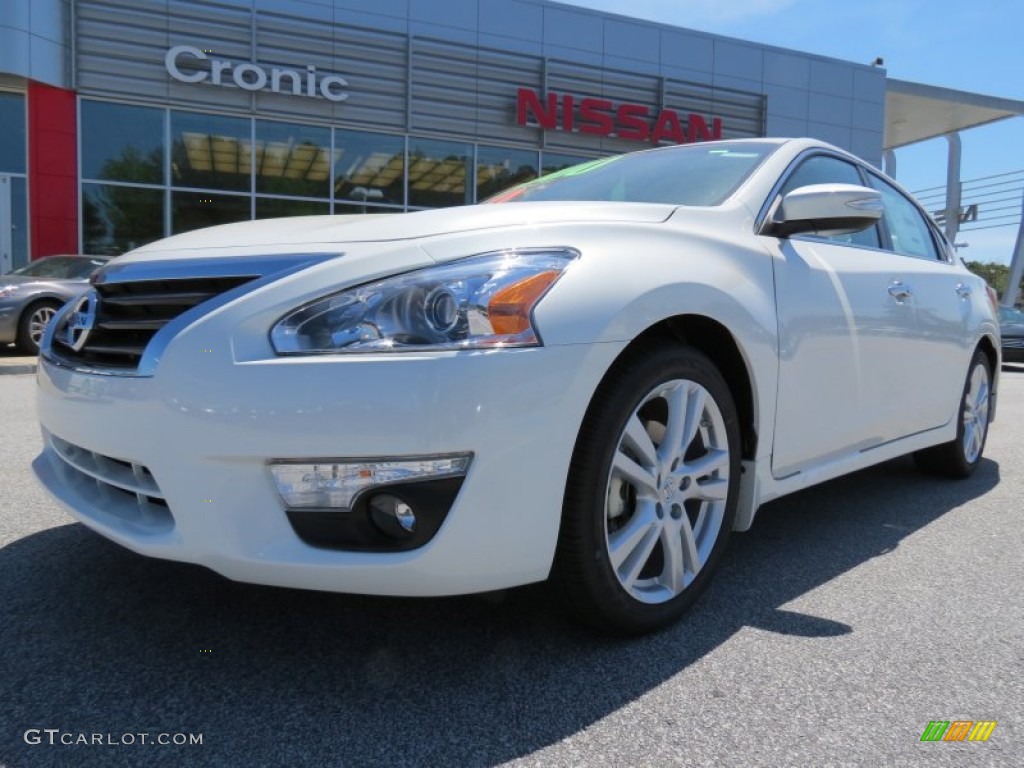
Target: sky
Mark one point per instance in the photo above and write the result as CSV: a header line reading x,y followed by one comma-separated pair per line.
x,y
970,45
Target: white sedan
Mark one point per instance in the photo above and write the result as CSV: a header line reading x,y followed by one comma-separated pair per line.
x,y
594,377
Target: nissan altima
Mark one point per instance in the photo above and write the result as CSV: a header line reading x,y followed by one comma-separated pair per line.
x,y
594,377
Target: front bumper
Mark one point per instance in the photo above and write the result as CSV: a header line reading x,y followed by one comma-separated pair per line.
x,y
1013,349
202,429
10,312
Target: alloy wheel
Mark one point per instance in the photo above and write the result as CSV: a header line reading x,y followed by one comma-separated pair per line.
x,y
667,490
975,414
38,321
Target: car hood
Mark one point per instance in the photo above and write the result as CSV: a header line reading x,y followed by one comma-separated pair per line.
x,y
30,280
1011,329
292,235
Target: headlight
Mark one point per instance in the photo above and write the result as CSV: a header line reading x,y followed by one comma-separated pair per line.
x,y
7,290
484,301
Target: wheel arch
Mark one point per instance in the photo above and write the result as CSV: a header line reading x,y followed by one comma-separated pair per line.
x,y
988,347
43,298
718,344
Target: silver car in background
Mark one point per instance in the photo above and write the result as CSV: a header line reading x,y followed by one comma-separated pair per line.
x,y
31,295
1011,329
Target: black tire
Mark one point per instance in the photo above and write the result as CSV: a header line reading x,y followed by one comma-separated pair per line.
x,y
29,334
597,503
957,458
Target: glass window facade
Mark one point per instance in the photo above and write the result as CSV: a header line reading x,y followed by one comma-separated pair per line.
x,y
556,161
121,142
211,151
369,168
149,172
12,129
498,168
293,159
195,210
13,164
19,222
438,171
274,208
343,209
117,218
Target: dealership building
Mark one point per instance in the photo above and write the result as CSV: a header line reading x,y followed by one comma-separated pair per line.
x,y
124,121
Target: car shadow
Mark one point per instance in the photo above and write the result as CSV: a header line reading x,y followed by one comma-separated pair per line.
x,y
8,351
98,640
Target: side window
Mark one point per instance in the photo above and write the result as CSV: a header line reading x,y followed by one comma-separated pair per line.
x,y
908,229
824,169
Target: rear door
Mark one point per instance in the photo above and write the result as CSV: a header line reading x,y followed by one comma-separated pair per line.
x,y
942,313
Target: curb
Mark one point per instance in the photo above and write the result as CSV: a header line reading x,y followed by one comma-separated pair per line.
x,y
12,369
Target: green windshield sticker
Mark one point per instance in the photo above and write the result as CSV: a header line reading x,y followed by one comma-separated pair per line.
x,y
576,170
572,170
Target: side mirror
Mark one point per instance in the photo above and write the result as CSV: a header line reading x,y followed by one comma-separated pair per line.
x,y
827,209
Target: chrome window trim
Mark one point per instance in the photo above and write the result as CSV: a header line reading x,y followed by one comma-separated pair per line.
x,y
825,241
268,268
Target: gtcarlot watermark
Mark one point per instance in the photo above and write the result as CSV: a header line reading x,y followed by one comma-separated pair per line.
x,y
55,736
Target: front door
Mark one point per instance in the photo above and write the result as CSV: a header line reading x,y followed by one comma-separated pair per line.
x,y
845,324
845,381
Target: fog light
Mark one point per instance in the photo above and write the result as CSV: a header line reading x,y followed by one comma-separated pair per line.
x,y
333,484
392,515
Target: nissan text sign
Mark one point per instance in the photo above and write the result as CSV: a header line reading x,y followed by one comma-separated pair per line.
x,y
602,117
252,77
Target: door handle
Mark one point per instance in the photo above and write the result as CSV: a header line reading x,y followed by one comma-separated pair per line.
x,y
963,291
900,291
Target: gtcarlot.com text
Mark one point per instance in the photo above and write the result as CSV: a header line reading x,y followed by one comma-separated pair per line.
x,y
56,737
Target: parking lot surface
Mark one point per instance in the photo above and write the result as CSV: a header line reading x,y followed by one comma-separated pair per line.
x,y
848,618
13,361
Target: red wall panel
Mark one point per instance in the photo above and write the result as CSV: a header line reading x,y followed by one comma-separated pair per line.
x,y
52,170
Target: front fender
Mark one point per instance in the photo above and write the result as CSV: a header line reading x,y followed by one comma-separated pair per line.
x,y
598,301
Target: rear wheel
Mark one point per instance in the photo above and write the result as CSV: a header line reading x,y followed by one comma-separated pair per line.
x,y
652,491
33,324
960,457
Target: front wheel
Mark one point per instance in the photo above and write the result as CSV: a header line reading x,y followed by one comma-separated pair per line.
x,y
961,456
33,324
652,491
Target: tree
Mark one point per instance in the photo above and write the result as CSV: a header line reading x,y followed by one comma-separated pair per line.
x,y
996,275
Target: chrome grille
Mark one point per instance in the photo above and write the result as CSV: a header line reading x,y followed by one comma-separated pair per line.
x,y
128,315
124,489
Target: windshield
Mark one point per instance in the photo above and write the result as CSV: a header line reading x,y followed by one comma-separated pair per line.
x,y
61,267
1008,315
696,174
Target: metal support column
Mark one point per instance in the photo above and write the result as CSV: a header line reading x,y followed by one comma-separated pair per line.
x,y
953,187
1016,265
889,162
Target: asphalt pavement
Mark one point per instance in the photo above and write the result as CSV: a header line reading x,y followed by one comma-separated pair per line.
x,y
847,619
